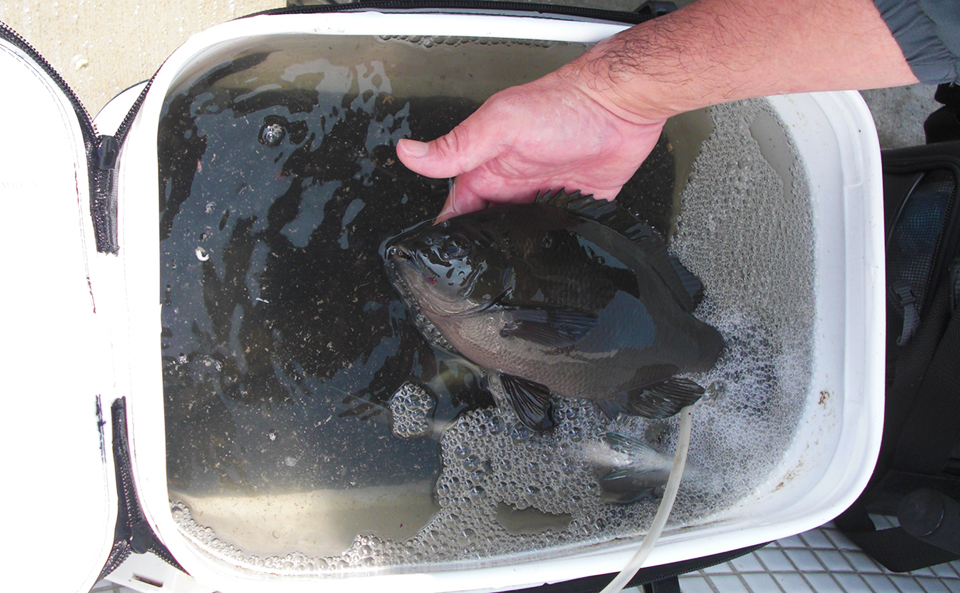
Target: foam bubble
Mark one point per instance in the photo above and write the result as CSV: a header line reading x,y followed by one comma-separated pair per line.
x,y
411,407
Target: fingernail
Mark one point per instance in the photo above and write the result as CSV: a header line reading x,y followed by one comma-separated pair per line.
x,y
416,149
452,194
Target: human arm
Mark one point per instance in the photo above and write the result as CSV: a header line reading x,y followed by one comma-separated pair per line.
x,y
591,123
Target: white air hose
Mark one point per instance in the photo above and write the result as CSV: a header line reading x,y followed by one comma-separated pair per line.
x,y
666,505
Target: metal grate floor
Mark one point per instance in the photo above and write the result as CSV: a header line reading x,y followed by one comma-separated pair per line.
x,y
821,560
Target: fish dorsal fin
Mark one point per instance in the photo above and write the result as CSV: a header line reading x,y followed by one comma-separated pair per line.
x,y
686,288
606,212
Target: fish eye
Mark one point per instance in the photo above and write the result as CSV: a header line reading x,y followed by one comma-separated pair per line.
x,y
454,249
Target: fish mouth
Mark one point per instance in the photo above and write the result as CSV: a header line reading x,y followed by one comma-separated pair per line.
x,y
407,271
399,257
398,252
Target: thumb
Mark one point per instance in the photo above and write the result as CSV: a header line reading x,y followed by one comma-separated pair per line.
x,y
462,150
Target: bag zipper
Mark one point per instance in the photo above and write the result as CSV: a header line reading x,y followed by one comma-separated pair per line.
x,y
101,151
86,122
133,534
104,202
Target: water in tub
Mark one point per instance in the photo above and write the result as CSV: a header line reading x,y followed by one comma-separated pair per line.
x,y
311,428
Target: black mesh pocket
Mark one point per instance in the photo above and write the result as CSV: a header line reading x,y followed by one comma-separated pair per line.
x,y
916,236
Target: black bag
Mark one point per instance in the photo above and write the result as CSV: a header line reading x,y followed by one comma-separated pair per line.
x,y
917,476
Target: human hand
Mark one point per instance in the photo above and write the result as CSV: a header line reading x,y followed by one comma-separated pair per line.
x,y
589,125
543,135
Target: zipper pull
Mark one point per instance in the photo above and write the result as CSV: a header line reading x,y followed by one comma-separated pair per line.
x,y
103,201
141,537
107,149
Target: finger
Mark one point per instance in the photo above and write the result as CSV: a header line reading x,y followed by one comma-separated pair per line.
x,y
460,201
466,147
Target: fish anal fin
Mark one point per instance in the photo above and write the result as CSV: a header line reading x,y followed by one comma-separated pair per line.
x,y
663,399
555,327
530,400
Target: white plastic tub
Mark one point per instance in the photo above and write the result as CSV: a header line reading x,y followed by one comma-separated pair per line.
x,y
822,472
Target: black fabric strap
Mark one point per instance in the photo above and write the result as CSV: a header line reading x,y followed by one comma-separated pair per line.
x,y
667,585
899,551
894,548
943,125
907,303
933,426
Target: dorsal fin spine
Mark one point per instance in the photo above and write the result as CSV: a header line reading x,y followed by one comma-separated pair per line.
x,y
685,285
605,212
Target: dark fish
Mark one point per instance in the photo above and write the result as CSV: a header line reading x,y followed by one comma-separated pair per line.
x,y
628,469
568,296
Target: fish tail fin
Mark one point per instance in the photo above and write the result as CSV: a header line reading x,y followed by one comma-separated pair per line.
x,y
663,399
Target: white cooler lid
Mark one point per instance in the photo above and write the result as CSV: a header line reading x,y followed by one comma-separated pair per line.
x,y
58,465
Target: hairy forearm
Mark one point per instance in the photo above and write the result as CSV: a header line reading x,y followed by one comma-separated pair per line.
x,y
714,51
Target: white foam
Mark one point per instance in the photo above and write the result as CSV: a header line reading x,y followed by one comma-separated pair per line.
x,y
410,408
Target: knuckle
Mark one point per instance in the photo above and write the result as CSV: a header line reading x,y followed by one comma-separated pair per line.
x,y
450,145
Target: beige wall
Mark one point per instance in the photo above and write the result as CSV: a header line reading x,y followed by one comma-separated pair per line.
x,y
102,48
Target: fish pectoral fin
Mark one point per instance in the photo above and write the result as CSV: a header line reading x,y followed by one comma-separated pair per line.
x,y
631,471
555,327
629,446
530,400
632,483
663,399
